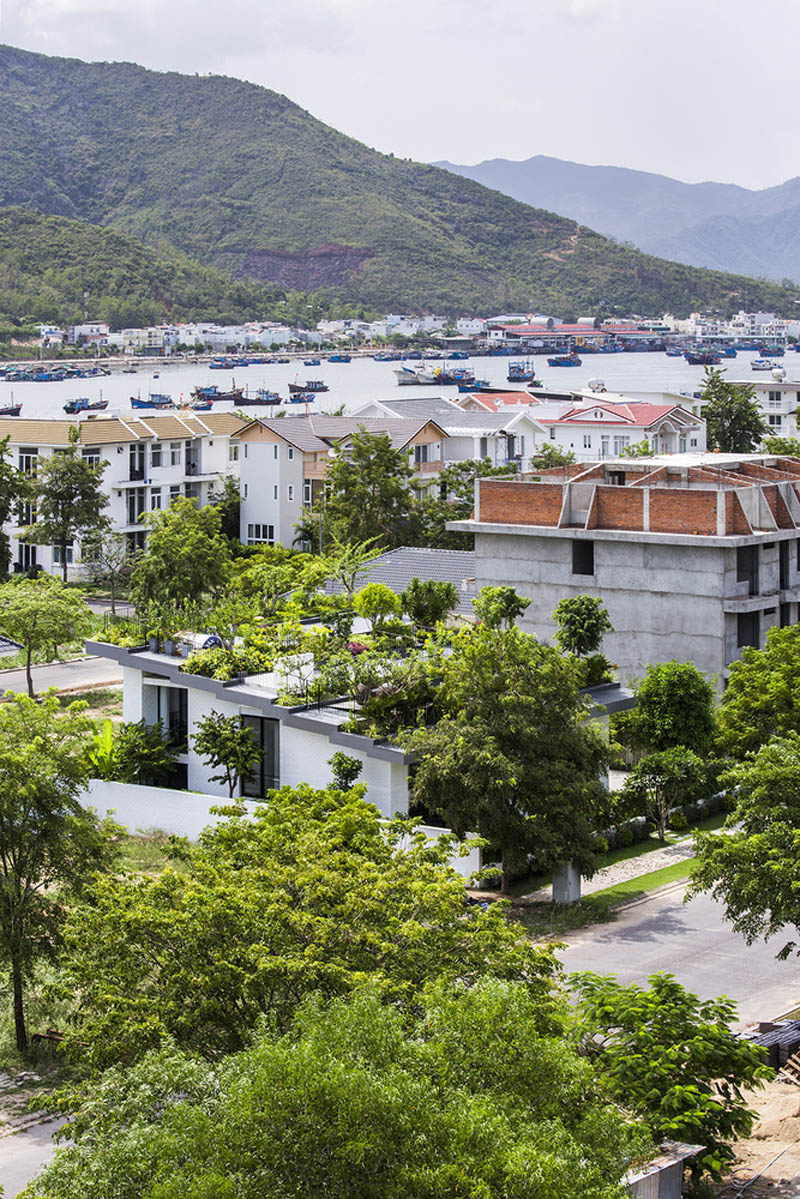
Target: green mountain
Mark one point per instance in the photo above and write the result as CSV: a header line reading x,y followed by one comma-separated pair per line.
x,y
243,179
48,262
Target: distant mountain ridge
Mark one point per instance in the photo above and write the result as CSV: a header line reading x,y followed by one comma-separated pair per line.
x,y
243,180
717,225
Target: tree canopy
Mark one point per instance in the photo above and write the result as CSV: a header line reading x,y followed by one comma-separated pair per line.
x,y
762,698
69,497
734,423
582,620
40,614
186,559
311,895
674,706
368,497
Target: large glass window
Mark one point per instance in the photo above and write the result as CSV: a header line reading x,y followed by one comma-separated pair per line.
x,y
583,557
173,712
267,774
748,625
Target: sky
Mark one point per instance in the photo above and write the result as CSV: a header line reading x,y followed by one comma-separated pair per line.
x,y
696,89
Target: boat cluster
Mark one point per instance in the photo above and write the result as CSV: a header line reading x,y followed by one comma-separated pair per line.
x,y
50,373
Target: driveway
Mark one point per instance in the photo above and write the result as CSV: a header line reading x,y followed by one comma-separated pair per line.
x,y
24,1154
82,674
693,942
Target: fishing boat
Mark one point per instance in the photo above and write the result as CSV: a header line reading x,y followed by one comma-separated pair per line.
x,y
565,360
702,358
339,358
762,364
467,388
408,377
154,400
278,361
726,351
129,370
11,410
213,394
82,404
456,355
311,362
771,351
302,397
258,398
521,372
309,385
674,352
199,405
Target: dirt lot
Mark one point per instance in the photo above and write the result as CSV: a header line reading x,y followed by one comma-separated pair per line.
x,y
776,1132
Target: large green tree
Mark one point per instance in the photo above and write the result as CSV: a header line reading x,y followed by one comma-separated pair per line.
x,y
671,1059
753,864
49,843
513,758
582,620
762,698
69,497
311,895
186,560
41,614
367,493
734,423
674,706
473,1099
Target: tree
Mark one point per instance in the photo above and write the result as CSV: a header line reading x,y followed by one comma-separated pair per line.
x,y
41,614
13,490
786,447
144,753
663,781
640,449
498,607
452,497
186,559
752,864
309,895
674,706
345,561
354,1101
367,493
106,554
734,423
427,602
762,698
227,499
513,758
345,770
49,844
375,603
672,1060
69,497
581,620
224,741
549,455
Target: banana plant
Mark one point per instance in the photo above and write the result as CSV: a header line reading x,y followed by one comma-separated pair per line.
x,y
102,755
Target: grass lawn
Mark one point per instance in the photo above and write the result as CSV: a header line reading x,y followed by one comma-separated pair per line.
x,y
143,852
104,702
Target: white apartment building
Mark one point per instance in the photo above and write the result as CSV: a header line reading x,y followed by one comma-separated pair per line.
x,y
778,398
89,333
149,462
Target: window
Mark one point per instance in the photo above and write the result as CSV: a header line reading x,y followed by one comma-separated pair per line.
x,y
174,491
775,420
174,453
155,454
173,712
774,399
693,442
621,441
155,498
783,564
786,615
275,491
682,444
267,773
552,433
421,454
604,444
290,453
91,456
28,457
233,451
290,493
616,478
136,462
587,441
747,569
57,559
582,557
260,534
483,447
244,494
307,492
747,629
274,452
136,500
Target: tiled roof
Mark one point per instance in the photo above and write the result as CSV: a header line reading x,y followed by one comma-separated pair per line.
x,y
398,567
113,430
315,434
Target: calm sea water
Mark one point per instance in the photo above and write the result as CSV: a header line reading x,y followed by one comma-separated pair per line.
x,y
354,383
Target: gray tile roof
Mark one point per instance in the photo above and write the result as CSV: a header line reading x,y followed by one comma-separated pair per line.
x,y
317,433
398,567
452,418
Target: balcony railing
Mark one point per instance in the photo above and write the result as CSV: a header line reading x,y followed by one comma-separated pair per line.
x,y
429,468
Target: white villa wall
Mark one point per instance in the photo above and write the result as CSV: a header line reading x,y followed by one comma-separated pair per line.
x,y
261,472
304,759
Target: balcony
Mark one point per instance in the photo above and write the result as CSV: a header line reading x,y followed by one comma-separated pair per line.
x,y
429,468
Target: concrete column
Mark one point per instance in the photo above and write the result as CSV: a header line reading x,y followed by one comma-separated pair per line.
x,y
646,509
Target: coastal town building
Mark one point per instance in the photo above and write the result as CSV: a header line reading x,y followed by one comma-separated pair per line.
x,y
149,462
283,463
695,556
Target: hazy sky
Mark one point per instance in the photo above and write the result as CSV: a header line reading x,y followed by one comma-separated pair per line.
x,y
698,89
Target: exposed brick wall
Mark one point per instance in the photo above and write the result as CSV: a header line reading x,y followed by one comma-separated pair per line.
x,y
755,470
520,503
654,476
618,508
782,514
789,466
735,519
683,511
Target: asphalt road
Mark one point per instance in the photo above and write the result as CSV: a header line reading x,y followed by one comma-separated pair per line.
x,y
82,673
693,942
23,1155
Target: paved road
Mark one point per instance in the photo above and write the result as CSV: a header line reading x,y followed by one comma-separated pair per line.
x,y
23,1155
693,942
83,673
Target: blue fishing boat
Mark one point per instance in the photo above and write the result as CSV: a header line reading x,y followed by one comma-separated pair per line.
x,y
258,398
702,358
311,362
154,400
475,385
565,360
11,410
521,372
726,351
309,385
302,397
771,351
340,358
82,404
762,364
674,352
